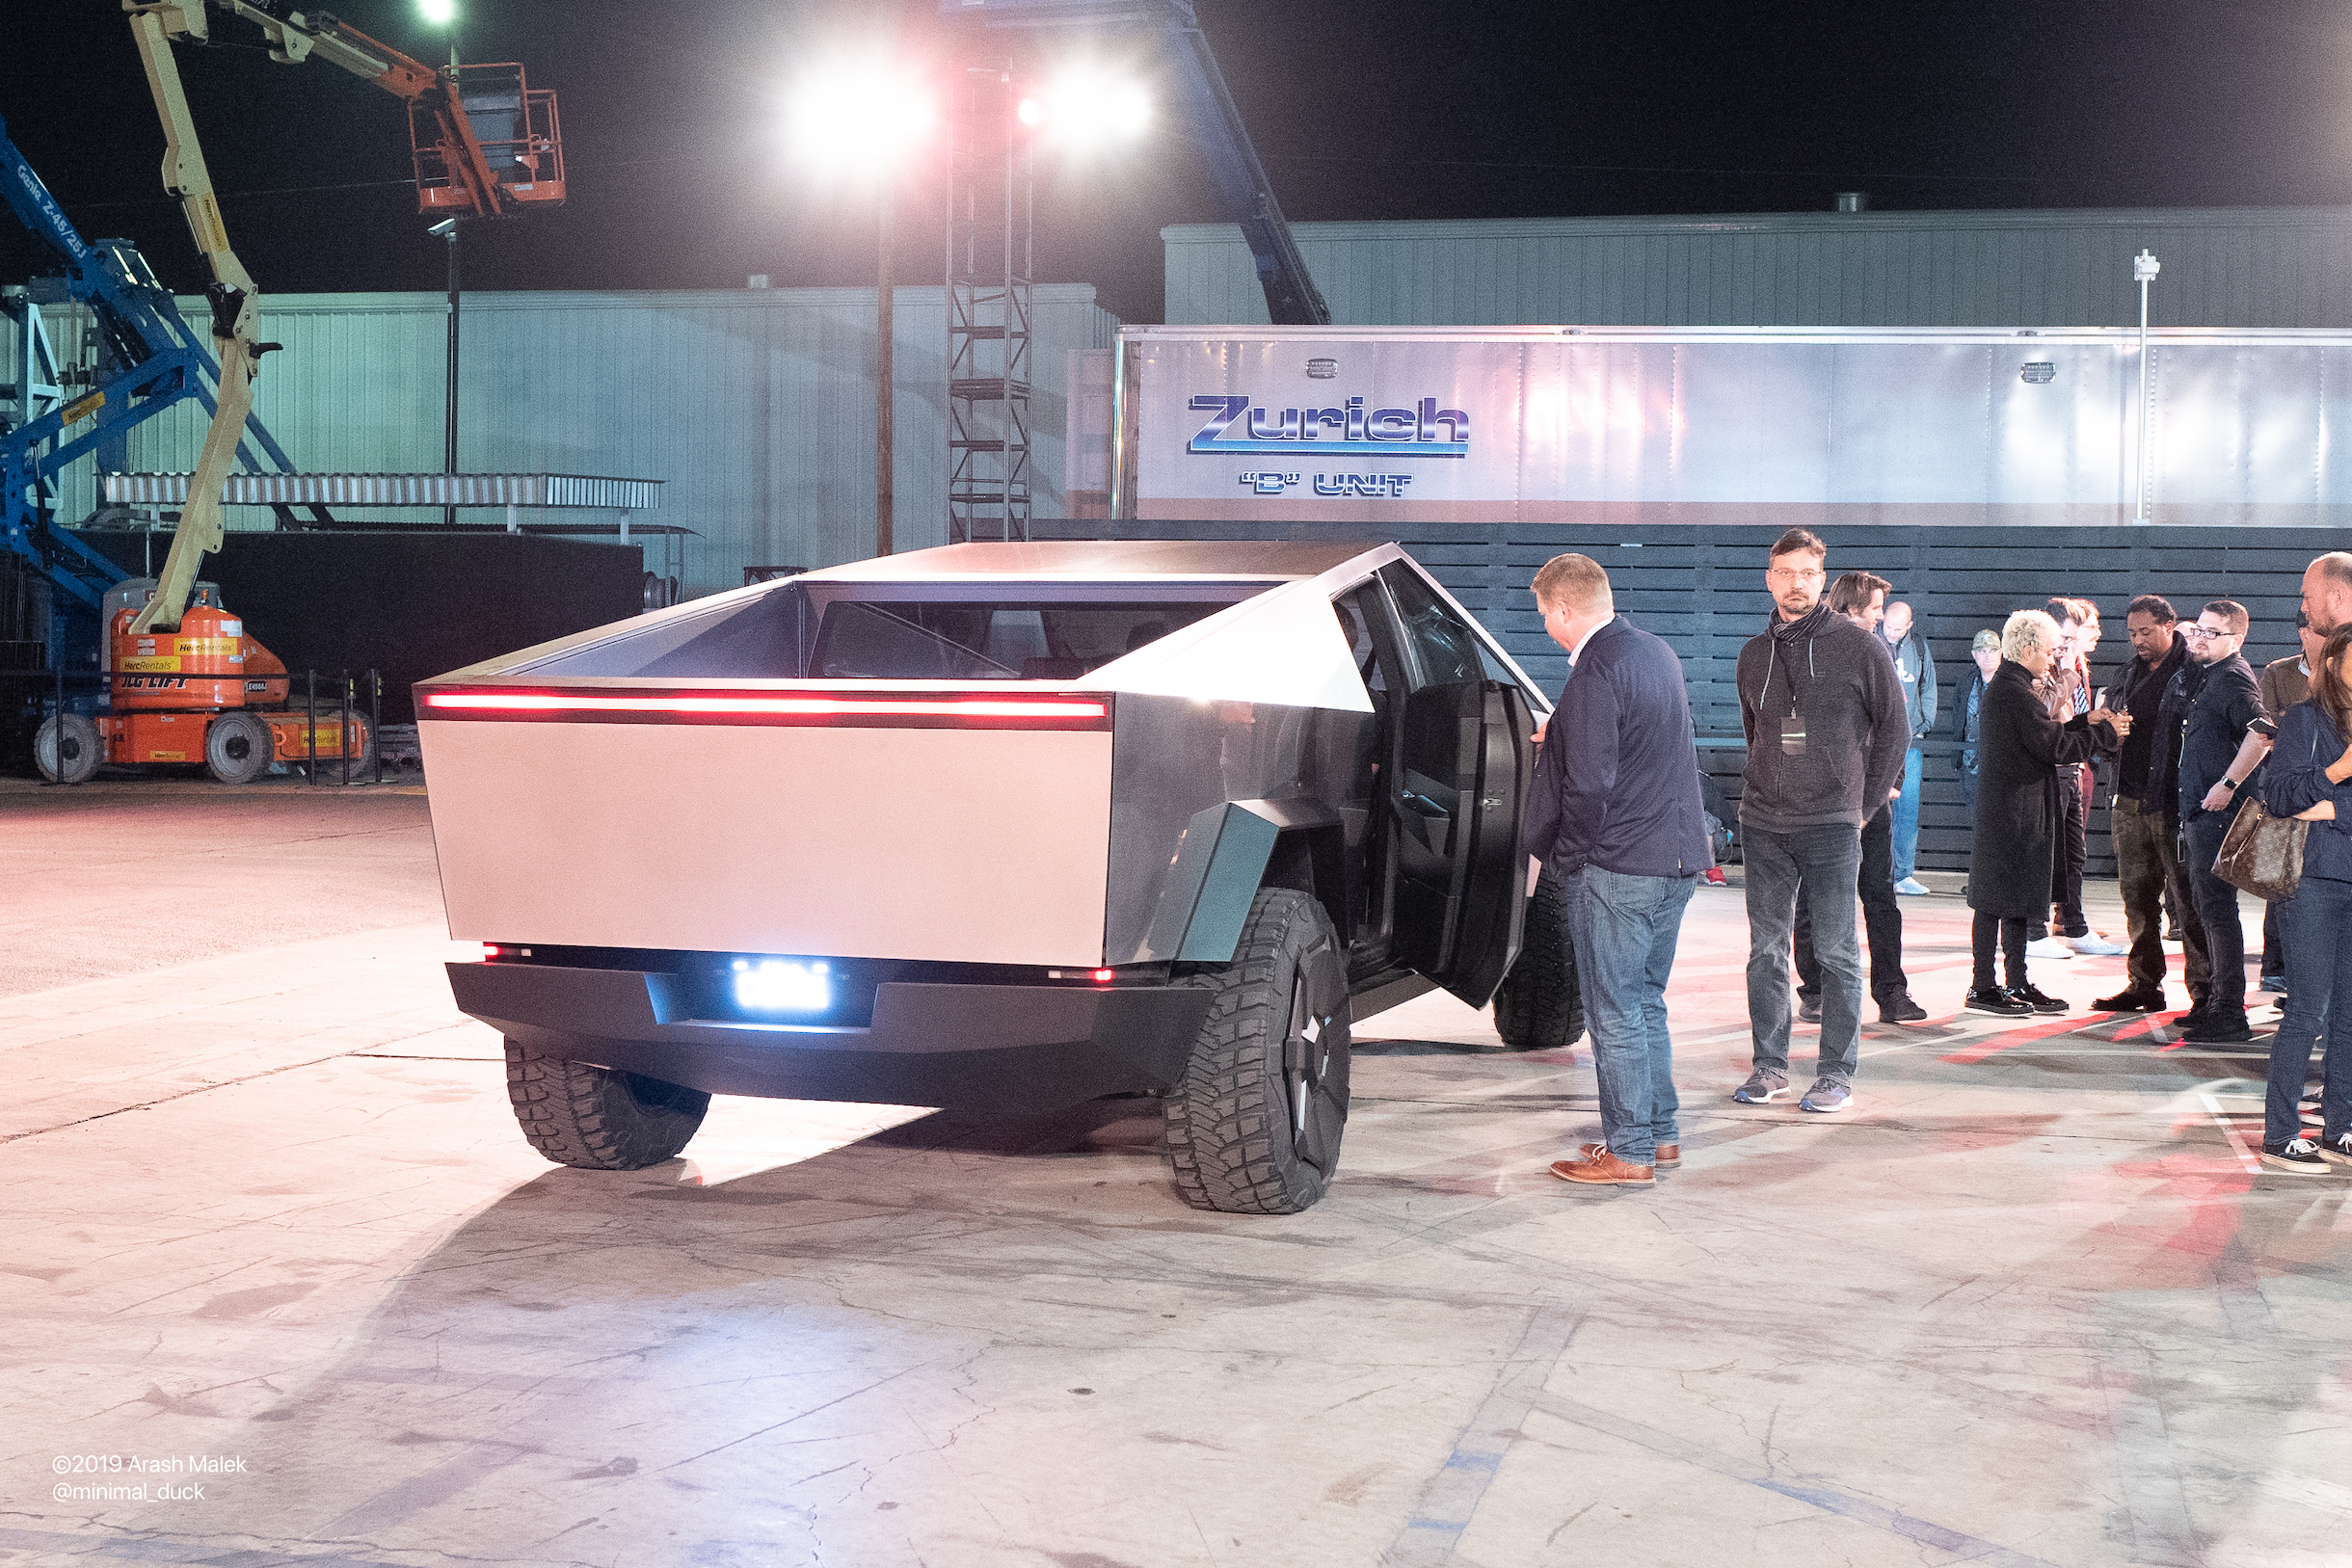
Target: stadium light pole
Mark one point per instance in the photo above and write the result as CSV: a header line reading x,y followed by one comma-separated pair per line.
x,y
2144,269
443,14
863,120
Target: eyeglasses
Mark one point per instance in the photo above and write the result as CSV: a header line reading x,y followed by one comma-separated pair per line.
x,y
1794,575
2191,628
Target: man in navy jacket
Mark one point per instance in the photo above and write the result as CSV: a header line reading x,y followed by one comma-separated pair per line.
x,y
1615,815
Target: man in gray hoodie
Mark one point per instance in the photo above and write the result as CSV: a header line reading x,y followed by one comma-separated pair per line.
x,y
1826,731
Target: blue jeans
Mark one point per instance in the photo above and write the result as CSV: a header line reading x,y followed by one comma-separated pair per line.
x,y
1624,929
2216,911
1907,817
1825,861
2315,928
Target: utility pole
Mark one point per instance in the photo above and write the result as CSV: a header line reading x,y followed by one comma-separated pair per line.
x,y
2144,269
884,398
447,229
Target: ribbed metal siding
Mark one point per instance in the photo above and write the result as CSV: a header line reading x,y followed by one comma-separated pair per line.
x,y
756,406
2237,267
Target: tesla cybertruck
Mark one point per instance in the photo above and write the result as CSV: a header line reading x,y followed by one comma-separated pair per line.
x,y
997,827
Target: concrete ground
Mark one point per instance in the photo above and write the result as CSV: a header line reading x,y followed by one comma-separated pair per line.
x,y
276,1242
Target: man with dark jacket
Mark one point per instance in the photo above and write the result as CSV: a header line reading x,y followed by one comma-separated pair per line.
x,y
1985,652
1860,596
2144,817
1826,728
2222,743
1614,814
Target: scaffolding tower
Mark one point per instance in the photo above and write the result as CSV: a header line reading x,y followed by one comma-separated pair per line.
x,y
989,256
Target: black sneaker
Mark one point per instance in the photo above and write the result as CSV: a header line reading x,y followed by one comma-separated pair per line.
x,y
2131,1002
2036,999
1899,1008
2220,1026
1808,1009
1993,1000
2300,1155
2336,1151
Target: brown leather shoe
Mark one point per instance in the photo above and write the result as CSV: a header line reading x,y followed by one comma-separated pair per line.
x,y
1667,1156
1604,1170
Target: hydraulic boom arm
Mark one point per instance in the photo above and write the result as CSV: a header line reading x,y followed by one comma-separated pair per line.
x,y
454,174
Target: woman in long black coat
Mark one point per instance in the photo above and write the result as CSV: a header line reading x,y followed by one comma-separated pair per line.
x,y
2020,749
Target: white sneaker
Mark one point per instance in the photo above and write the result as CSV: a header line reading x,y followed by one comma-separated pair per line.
x,y
2049,947
1911,885
2093,945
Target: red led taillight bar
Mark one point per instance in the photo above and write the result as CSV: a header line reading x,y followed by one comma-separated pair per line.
x,y
1041,712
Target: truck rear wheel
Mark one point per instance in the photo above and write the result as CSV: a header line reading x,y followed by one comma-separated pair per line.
x,y
66,750
237,748
1539,1005
1254,1126
598,1119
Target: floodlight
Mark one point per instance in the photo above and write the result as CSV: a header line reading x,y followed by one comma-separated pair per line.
x,y
437,13
859,116
1086,105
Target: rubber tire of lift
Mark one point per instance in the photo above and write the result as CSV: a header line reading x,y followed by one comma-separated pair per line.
x,y
80,745
1541,1004
237,747
1230,1122
595,1119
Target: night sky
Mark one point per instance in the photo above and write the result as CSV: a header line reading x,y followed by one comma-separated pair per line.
x,y
680,178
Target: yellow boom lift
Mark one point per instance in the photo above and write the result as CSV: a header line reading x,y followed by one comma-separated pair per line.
x,y
187,683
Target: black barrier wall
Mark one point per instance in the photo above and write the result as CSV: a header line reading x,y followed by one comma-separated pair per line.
x,y
410,604
1703,592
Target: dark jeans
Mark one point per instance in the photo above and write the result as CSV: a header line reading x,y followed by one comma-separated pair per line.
x,y
1624,929
1819,864
2315,928
1882,919
2147,866
2274,953
2066,866
2214,904
2012,933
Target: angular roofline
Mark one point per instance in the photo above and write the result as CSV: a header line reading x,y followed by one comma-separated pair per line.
x,y
1103,561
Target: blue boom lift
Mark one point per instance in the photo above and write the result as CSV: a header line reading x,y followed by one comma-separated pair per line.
x,y
1292,299
147,359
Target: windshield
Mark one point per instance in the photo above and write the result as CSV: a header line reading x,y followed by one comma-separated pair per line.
x,y
992,639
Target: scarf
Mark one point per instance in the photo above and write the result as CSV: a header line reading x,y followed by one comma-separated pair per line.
x,y
1789,634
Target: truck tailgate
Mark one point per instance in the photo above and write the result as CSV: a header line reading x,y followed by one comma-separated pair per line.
x,y
966,844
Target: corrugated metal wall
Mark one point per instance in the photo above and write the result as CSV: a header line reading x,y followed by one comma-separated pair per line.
x,y
2229,267
756,406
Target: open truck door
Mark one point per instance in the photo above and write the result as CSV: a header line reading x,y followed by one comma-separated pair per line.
x,y
1466,754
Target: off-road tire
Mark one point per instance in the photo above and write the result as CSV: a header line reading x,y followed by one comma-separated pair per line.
x,y
1232,1121
77,738
1539,1005
598,1119
237,748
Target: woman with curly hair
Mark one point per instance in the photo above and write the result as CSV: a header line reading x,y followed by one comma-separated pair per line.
x,y
2020,748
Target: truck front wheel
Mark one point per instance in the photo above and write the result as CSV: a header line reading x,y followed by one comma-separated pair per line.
x,y
1540,1006
1254,1126
598,1119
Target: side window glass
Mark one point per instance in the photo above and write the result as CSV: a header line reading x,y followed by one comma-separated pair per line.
x,y
1446,648
1354,609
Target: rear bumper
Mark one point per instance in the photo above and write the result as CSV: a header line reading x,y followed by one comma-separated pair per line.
x,y
964,1046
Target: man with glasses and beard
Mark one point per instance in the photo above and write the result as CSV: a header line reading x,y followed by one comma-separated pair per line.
x,y
1826,728
2223,737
